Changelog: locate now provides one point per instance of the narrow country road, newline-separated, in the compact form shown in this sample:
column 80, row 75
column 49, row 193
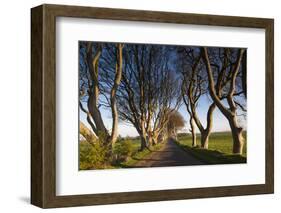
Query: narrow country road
column 169, row 155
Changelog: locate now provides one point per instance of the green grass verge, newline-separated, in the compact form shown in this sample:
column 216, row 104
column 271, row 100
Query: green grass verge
column 219, row 152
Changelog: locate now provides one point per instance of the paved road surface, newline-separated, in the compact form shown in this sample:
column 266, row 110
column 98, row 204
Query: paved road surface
column 170, row 155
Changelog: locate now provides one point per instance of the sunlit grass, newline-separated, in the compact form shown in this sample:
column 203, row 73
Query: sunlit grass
column 220, row 149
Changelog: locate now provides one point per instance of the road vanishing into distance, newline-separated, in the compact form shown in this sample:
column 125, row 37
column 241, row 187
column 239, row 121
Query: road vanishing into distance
column 169, row 155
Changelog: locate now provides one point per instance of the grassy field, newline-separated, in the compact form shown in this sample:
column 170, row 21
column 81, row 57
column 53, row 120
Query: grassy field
column 220, row 149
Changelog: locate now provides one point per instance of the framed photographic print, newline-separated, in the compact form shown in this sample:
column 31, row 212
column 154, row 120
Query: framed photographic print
column 136, row 106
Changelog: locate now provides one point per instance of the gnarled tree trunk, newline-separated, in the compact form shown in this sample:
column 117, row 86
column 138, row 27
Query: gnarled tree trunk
column 86, row 133
column 238, row 139
column 93, row 92
column 143, row 142
column 96, row 115
column 144, row 137
column 117, row 80
column 205, row 132
column 193, row 131
column 205, row 139
column 155, row 137
column 93, row 104
column 194, row 90
column 229, row 113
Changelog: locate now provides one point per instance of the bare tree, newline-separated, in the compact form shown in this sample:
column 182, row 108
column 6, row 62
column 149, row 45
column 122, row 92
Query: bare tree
column 193, row 87
column 147, row 91
column 227, row 78
column 113, row 102
column 90, row 80
column 191, row 119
